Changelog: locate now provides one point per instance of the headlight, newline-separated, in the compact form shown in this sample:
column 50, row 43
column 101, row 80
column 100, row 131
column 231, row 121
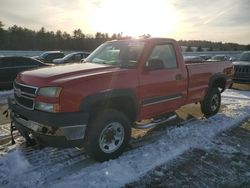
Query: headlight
column 47, row 107
column 49, row 91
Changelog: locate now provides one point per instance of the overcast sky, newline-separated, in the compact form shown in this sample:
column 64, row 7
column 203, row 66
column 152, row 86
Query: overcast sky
column 220, row 20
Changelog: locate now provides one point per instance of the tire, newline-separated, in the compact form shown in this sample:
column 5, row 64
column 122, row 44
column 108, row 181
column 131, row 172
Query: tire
column 211, row 103
column 108, row 135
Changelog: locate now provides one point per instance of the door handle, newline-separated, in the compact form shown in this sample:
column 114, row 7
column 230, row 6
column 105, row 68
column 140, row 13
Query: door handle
column 178, row 77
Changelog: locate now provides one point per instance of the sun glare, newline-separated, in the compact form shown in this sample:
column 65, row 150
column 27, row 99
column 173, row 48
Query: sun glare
column 134, row 17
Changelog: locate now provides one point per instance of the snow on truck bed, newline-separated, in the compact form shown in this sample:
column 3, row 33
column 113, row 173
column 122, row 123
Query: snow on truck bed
column 70, row 167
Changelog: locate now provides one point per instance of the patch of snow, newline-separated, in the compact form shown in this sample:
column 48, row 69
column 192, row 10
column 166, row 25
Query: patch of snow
column 4, row 96
column 236, row 94
column 159, row 173
column 13, row 169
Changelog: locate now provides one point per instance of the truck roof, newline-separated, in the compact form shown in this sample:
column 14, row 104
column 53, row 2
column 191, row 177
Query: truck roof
column 154, row 39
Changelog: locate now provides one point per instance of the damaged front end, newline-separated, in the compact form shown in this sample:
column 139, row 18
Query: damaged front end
column 49, row 129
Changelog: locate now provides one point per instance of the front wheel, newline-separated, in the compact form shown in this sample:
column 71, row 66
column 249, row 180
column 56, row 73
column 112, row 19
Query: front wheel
column 211, row 103
column 108, row 135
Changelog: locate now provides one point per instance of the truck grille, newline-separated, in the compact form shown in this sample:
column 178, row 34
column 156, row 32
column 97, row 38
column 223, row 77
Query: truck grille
column 242, row 69
column 25, row 95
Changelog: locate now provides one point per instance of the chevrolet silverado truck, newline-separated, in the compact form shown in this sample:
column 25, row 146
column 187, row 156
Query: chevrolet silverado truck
column 96, row 103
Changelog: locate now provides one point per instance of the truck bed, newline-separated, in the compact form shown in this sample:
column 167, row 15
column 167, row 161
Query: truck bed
column 199, row 75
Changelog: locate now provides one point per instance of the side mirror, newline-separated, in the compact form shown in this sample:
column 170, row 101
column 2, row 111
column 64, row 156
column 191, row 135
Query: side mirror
column 83, row 61
column 154, row 64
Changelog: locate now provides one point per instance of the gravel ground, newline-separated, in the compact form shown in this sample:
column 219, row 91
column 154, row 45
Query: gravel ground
column 226, row 164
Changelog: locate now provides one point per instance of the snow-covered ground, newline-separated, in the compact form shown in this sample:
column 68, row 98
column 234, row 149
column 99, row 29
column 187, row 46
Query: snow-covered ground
column 4, row 95
column 69, row 167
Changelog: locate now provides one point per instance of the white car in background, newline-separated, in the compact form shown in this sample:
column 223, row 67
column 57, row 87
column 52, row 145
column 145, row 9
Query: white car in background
column 220, row 58
column 193, row 59
column 72, row 57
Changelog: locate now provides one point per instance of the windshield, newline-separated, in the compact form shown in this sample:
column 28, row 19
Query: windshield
column 69, row 56
column 44, row 54
column 245, row 56
column 119, row 53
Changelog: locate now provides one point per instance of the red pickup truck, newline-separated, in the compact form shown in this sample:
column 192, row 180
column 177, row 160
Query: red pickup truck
column 94, row 104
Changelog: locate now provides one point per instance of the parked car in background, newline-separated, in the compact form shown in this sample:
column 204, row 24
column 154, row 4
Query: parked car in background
column 220, row 58
column 232, row 58
column 193, row 59
column 49, row 56
column 11, row 66
column 205, row 57
column 242, row 68
column 72, row 57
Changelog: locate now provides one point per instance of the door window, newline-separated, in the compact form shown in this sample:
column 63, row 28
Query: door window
column 165, row 54
column 78, row 57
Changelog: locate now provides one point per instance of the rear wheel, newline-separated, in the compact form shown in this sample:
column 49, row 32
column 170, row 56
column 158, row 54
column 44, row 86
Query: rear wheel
column 211, row 103
column 108, row 135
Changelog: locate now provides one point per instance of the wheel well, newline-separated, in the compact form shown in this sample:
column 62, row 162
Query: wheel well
column 219, row 83
column 123, row 104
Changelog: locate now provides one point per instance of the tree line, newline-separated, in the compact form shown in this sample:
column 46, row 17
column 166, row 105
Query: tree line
column 21, row 38
column 201, row 45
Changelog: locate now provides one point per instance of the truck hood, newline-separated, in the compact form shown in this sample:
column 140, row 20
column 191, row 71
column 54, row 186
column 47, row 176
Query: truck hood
column 242, row 63
column 61, row 73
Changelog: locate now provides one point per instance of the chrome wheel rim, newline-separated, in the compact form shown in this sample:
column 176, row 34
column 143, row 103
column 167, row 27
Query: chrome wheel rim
column 215, row 102
column 111, row 137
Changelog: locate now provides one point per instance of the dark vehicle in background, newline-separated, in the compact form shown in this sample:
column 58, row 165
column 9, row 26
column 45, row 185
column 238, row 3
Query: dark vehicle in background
column 205, row 57
column 220, row 58
column 72, row 57
column 11, row 66
column 242, row 68
column 193, row 59
column 49, row 56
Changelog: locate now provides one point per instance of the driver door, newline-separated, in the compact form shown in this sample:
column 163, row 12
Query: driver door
column 161, row 85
